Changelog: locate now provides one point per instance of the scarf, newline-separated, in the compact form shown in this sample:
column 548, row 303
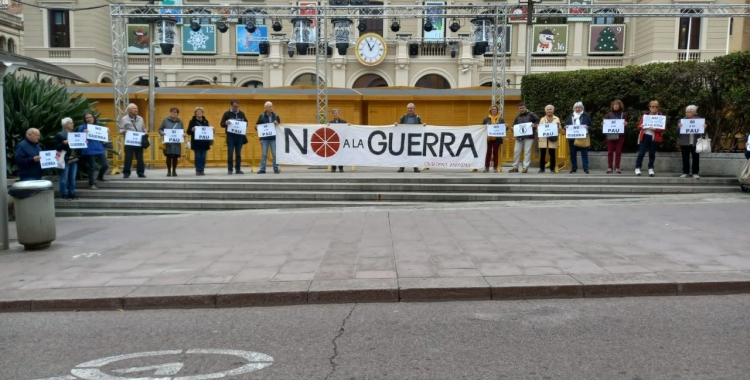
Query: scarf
column 494, row 119
column 577, row 118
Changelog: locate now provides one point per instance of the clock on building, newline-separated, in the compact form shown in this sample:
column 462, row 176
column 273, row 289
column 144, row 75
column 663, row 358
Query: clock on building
column 371, row 49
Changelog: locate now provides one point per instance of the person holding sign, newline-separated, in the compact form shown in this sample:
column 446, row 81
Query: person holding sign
column 133, row 122
column 615, row 140
column 337, row 120
column 172, row 150
column 235, row 141
column 93, row 152
column 687, row 140
column 549, row 144
column 579, row 117
column 649, row 137
column 523, row 142
column 198, row 143
column 493, row 143
column 28, row 157
column 265, row 118
column 411, row 117
column 68, row 174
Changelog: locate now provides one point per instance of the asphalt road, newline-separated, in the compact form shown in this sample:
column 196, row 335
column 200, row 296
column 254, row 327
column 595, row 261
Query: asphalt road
column 628, row 338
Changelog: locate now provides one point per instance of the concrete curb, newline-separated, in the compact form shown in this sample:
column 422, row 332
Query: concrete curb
column 374, row 290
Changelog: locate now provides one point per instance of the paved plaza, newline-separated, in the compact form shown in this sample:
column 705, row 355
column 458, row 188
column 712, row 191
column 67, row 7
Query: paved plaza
column 659, row 244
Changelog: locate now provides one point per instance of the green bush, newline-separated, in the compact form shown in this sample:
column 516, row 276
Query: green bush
column 32, row 102
column 718, row 87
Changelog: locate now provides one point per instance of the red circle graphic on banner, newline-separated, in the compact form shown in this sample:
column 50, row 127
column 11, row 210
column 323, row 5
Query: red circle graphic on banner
column 325, row 142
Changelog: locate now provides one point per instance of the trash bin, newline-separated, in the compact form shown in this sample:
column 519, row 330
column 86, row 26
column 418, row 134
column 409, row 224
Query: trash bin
column 35, row 213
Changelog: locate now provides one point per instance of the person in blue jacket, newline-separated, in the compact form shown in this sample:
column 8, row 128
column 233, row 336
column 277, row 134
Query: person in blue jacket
column 93, row 152
column 28, row 155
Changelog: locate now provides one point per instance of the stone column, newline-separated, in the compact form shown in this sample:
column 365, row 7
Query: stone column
column 467, row 72
column 273, row 65
column 402, row 63
column 338, row 70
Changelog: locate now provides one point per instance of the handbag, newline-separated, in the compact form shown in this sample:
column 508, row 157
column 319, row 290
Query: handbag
column 584, row 142
column 703, row 145
column 60, row 157
column 145, row 144
column 244, row 140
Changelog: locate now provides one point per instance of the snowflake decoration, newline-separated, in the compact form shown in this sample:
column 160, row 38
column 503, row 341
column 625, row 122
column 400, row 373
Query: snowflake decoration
column 197, row 40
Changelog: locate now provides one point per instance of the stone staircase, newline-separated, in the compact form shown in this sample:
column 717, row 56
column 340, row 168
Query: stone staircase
column 306, row 189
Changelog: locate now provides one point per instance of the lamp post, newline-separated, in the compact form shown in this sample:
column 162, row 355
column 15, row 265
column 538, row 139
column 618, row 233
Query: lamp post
column 5, row 68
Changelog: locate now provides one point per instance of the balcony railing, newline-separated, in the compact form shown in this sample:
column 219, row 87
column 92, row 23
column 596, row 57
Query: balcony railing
column 198, row 61
column 58, row 53
column 488, row 62
column 605, row 62
column 549, row 62
column 434, row 50
column 247, row 62
column 694, row 56
column 142, row 61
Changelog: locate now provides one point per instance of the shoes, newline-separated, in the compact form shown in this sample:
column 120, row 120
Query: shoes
column 525, row 170
column 573, row 171
column 239, row 172
column 334, row 170
column 261, row 172
column 695, row 176
column 142, row 176
column 126, row 176
column 476, row 170
column 650, row 172
column 618, row 171
column 93, row 187
column 229, row 172
column 416, row 170
column 586, row 171
column 683, row 176
column 276, row 171
column 73, row 197
column 609, row 171
column 169, row 174
column 494, row 170
column 400, row 170
column 541, row 171
column 102, row 179
column 513, row 170
column 486, row 170
column 174, row 174
column 637, row 171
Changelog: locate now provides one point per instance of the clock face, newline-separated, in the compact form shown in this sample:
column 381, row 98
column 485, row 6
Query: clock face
column 371, row 49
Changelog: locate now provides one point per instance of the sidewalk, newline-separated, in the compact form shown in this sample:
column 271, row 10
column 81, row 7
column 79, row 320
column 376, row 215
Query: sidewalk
column 670, row 245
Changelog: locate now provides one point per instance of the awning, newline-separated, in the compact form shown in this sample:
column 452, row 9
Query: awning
column 41, row 67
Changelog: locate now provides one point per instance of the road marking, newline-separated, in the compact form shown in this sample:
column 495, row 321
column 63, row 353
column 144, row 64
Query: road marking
column 87, row 255
column 161, row 369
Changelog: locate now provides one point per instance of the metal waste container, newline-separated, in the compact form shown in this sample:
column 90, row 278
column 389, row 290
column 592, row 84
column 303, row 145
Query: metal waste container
column 35, row 213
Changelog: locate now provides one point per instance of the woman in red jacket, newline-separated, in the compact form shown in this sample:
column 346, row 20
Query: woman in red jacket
column 615, row 141
column 648, row 139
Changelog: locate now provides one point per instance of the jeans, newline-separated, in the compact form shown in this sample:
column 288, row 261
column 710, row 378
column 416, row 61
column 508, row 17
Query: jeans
column 140, row 168
column 493, row 146
column 68, row 179
column 264, row 144
column 614, row 152
column 647, row 143
column 234, row 146
column 524, row 144
column 552, row 159
column 200, row 159
column 574, row 156
column 91, row 161
column 687, row 151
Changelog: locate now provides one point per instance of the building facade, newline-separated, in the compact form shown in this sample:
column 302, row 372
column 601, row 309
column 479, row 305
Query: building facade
column 80, row 41
column 11, row 30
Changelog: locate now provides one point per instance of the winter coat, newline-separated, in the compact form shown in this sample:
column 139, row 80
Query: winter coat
column 25, row 153
column 528, row 117
column 265, row 119
column 198, row 144
column 657, row 132
column 230, row 115
column 544, row 141
column 688, row 139
column 93, row 147
column 487, row 121
column 172, row 149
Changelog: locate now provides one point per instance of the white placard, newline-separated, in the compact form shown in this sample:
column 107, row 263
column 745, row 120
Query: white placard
column 747, row 144
column 173, row 136
column 614, row 126
column 497, row 130
column 133, row 138
column 523, row 129
column 237, row 127
column 204, row 133
column 655, row 121
column 49, row 159
column 575, row 132
column 97, row 132
column 77, row 140
column 690, row 126
column 547, row 130
column 266, row 130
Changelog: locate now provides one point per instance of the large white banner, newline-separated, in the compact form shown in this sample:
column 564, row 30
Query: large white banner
column 405, row 145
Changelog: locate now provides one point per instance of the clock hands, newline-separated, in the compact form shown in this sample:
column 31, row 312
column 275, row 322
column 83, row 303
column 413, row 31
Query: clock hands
column 368, row 44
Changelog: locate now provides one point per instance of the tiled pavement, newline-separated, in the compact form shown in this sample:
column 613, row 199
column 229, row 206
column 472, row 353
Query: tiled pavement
column 666, row 245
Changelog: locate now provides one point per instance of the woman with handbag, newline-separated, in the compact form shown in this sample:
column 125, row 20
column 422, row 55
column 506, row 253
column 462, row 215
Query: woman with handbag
column 94, row 152
column 648, row 140
column 493, row 143
column 615, row 141
column 67, row 174
column 199, row 147
column 549, row 144
column 688, row 143
column 173, row 151
column 579, row 117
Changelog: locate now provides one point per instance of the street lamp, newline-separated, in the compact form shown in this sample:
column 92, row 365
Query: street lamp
column 5, row 69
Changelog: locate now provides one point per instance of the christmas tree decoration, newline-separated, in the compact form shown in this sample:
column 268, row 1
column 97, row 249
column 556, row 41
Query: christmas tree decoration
column 607, row 41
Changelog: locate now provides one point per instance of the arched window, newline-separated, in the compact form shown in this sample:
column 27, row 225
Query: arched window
column 551, row 19
column 198, row 82
column 11, row 46
column 2, row 43
column 608, row 16
column 106, row 80
column 253, row 84
column 305, row 80
column 433, row 81
column 370, row 80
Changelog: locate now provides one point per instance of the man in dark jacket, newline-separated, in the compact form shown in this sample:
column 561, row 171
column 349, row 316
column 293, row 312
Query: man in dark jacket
column 234, row 141
column 28, row 155
column 268, row 116
column 523, row 142
column 411, row 117
column 337, row 120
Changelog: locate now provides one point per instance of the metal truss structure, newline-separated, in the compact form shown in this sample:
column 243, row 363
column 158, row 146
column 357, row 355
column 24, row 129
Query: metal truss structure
column 120, row 13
